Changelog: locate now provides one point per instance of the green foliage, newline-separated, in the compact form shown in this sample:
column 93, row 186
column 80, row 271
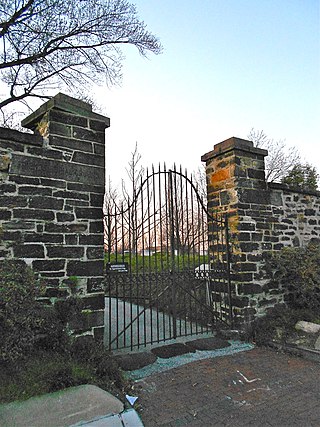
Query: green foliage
column 72, row 283
column 18, row 309
column 26, row 324
column 37, row 354
column 86, row 362
column 279, row 324
column 303, row 176
column 104, row 367
column 298, row 271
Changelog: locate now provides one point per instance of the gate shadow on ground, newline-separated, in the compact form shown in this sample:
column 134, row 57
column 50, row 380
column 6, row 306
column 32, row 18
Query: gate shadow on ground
column 129, row 325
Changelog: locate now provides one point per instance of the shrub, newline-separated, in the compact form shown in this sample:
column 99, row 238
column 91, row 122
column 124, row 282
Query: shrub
column 279, row 324
column 298, row 272
column 105, row 367
column 18, row 308
column 25, row 323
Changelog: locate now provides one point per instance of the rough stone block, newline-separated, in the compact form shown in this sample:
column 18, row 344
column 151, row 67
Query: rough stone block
column 85, row 268
column 35, row 190
column 96, row 227
column 65, row 217
column 88, row 159
column 65, row 251
column 96, row 200
column 53, row 169
column 65, row 228
column 88, row 135
column 71, row 195
column 28, row 251
column 43, row 202
column 33, row 214
column 5, row 214
column 67, row 118
column 98, row 334
column 258, row 197
column 13, row 201
column 98, row 125
column 73, row 144
column 43, row 238
column 91, row 239
column 250, row 289
column 86, row 188
column 94, row 301
column 49, row 265
column 62, row 129
column 95, row 252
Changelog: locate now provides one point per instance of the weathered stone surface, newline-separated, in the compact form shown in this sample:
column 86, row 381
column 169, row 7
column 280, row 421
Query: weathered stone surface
column 43, row 202
column 40, row 214
column 91, row 239
column 95, row 252
column 89, row 213
column 85, row 268
column 5, row 160
column 94, row 301
column 88, row 159
column 65, row 252
column 47, row 168
column 29, row 251
column 317, row 343
column 67, row 118
column 309, row 327
column 61, row 142
column 49, row 265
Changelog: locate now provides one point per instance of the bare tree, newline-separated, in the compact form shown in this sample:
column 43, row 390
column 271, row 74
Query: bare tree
column 50, row 44
column 281, row 158
column 111, row 203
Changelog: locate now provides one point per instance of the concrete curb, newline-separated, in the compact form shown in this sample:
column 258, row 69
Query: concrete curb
column 306, row 353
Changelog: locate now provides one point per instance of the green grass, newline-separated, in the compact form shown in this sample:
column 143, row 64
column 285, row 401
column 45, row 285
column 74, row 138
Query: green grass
column 158, row 262
column 45, row 372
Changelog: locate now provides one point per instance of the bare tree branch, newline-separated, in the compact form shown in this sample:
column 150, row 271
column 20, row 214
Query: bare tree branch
column 281, row 158
column 53, row 41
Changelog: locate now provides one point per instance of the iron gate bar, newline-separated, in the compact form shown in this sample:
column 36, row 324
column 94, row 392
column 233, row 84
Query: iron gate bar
column 167, row 221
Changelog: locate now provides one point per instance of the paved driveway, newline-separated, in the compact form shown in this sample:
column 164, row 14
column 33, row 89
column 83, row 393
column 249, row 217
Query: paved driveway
column 259, row 387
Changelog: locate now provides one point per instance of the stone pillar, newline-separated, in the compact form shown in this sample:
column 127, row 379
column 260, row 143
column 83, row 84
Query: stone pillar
column 236, row 186
column 53, row 191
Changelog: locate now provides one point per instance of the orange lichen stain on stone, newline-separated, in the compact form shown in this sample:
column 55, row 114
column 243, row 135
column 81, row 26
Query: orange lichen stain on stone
column 220, row 175
column 234, row 223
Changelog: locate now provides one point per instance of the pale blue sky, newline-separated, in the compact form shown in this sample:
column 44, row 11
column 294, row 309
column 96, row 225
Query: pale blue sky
column 227, row 66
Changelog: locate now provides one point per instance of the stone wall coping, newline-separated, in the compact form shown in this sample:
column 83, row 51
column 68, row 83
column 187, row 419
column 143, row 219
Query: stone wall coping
column 286, row 187
column 64, row 103
column 232, row 144
column 23, row 138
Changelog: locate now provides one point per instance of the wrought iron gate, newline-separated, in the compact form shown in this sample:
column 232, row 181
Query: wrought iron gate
column 167, row 272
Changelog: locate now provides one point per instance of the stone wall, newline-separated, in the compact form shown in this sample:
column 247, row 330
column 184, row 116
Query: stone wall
column 262, row 218
column 52, row 187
